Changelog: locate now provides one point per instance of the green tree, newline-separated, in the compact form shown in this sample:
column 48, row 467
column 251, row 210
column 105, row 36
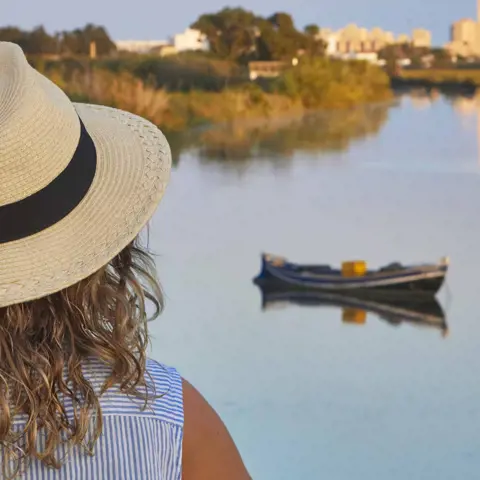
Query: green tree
column 77, row 42
column 231, row 32
column 311, row 30
column 321, row 82
column 12, row 34
column 240, row 35
column 280, row 40
column 442, row 58
column 315, row 45
column 392, row 53
column 38, row 41
column 70, row 43
column 283, row 41
column 283, row 21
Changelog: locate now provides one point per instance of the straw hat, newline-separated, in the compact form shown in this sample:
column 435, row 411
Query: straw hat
column 77, row 182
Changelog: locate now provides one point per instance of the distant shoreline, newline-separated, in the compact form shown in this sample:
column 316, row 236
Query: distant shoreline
column 463, row 81
column 180, row 93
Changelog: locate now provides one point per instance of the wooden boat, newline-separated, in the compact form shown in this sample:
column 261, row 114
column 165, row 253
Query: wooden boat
column 418, row 279
column 420, row 310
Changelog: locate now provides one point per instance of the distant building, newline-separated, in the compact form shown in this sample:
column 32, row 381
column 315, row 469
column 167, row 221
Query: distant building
column 190, row 39
column 421, row 38
column 428, row 60
column 268, row 69
column 139, row 46
column 403, row 38
column 371, row 57
column 404, row 62
column 164, row 50
column 332, row 41
column 354, row 39
column 465, row 37
column 389, row 37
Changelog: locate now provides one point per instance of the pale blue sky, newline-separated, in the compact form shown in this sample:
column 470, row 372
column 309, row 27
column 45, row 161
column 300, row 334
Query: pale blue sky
column 158, row 19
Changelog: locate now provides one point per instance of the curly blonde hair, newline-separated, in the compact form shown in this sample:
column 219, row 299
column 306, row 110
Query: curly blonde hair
column 44, row 343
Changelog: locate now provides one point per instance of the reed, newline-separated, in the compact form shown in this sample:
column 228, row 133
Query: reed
column 321, row 84
column 452, row 75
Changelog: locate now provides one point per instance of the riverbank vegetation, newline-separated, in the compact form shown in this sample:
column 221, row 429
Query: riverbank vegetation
column 194, row 88
column 430, row 68
column 419, row 57
column 172, row 110
column 314, row 84
column 444, row 75
column 449, row 81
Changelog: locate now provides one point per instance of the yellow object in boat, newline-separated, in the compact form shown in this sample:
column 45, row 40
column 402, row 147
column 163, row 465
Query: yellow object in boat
column 357, row 268
column 354, row 315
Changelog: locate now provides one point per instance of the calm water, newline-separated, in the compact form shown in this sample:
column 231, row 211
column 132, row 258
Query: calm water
column 305, row 395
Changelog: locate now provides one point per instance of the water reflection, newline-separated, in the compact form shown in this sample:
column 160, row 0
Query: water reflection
column 422, row 99
column 282, row 137
column 424, row 311
column 299, row 390
column 469, row 109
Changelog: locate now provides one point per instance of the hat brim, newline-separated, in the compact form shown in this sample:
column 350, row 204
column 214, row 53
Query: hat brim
column 133, row 168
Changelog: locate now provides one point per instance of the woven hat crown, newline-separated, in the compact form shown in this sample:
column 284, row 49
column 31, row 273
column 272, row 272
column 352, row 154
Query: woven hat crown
column 78, row 182
column 39, row 127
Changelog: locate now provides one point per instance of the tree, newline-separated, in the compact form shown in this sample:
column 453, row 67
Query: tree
column 70, row 43
column 418, row 55
column 322, row 82
column 77, row 42
column 280, row 39
column 240, row 35
column 284, row 41
column 311, row 30
column 38, row 41
column 441, row 57
column 231, row 32
column 12, row 34
column 283, row 21
column 271, row 45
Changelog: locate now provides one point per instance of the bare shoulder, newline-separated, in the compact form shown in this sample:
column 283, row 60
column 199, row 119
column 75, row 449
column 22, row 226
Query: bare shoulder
column 208, row 449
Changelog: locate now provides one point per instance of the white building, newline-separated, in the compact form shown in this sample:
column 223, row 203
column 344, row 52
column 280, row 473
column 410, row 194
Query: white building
column 140, row 46
column 190, row 39
column 371, row 57
column 332, row 41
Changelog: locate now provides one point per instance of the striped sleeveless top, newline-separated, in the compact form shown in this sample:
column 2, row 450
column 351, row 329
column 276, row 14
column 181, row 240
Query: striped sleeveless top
column 136, row 443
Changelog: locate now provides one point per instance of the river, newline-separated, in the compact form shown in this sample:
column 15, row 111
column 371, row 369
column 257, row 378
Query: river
column 306, row 394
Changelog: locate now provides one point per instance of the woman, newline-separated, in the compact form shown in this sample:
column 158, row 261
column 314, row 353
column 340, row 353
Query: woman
column 78, row 397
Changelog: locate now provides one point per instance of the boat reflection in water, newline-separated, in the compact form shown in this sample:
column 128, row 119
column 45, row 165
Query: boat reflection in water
column 424, row 311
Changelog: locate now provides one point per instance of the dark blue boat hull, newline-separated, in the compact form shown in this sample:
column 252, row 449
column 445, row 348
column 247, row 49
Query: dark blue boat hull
column 427, row 279
column 428, row 285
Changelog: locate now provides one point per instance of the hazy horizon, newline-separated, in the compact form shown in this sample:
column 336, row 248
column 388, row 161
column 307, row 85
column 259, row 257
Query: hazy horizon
column 147, row 19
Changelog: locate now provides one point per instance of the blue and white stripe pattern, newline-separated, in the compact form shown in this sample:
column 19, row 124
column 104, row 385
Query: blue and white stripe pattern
column 136, row 443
